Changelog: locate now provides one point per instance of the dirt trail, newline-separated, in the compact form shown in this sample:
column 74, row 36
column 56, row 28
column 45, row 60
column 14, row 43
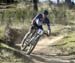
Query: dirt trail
column 41, row 53
column 45, row 42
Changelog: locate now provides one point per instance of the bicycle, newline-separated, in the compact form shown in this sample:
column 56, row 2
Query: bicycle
column 31, row 41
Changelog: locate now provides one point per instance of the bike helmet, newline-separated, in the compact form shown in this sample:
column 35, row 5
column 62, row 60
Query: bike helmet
column 45, row 12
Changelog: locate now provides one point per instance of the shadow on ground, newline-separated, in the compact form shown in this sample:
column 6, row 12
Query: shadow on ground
column 51, row 59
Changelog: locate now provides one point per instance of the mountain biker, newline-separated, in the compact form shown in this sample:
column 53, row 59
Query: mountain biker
column 37, row 22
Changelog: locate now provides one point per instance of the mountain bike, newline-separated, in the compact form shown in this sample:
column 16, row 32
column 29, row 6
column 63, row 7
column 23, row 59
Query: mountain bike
column 31, row 41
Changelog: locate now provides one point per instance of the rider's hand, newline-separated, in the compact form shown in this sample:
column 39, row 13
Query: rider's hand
column 49, row 32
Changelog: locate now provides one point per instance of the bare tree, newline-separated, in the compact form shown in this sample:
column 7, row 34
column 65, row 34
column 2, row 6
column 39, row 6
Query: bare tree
column 35, row 5
column 69, row 3
column 58, row 2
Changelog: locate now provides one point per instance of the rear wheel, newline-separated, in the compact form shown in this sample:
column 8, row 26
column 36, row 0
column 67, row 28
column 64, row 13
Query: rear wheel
column 25, row 42
column 29, row 47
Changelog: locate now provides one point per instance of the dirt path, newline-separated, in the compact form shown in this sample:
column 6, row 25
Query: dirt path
column 45, row 42
column 42, row 54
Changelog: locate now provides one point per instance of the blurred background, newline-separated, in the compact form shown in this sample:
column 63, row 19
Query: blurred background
column 15, row 20
column 15, row 11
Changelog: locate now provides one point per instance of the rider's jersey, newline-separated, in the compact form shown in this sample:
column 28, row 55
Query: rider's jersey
column 38, row 20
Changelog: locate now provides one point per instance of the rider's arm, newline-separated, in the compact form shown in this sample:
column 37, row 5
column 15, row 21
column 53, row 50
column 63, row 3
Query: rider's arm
column 48, row 24
column 49, row 30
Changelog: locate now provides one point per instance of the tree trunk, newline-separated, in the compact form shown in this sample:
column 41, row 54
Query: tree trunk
column 58, row 2
column 35, row 7
column 8, row 1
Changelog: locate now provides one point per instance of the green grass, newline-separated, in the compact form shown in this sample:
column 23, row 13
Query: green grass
column 67, row 43
column 2, row 29
column 70, row 40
